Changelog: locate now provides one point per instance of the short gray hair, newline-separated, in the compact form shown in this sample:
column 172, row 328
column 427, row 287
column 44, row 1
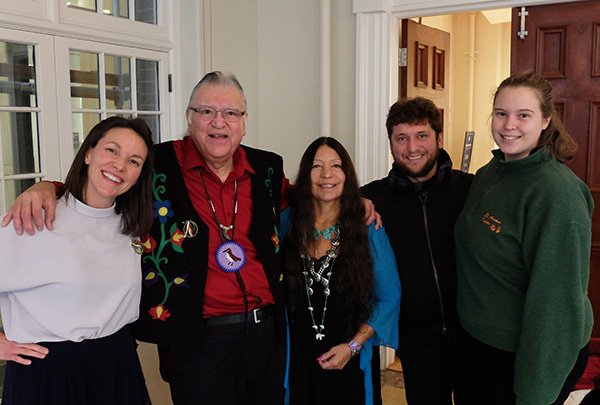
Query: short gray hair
column 220, row 79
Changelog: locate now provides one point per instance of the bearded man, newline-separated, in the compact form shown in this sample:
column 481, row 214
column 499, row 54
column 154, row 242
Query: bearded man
column 419, row 202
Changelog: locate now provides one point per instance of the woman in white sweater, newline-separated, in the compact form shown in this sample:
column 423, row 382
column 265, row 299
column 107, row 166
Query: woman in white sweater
column 70, row 294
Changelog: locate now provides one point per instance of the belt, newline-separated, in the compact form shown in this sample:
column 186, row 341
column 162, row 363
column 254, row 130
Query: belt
column 256, row 316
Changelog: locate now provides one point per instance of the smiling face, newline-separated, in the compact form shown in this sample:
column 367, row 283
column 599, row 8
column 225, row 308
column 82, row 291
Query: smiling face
column 216, row 139
column 326, row 176
column 416, row 150
column 113, row 166
column 517, row 121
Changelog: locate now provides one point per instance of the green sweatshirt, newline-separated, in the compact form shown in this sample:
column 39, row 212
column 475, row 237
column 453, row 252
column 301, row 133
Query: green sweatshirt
column 523, row 252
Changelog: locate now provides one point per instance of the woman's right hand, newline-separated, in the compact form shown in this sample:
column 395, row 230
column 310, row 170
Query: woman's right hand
column 30, row 207
column 11, row 351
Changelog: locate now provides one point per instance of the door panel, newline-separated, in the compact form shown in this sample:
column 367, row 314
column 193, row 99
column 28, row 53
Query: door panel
column 427, row 59
column 563, row 44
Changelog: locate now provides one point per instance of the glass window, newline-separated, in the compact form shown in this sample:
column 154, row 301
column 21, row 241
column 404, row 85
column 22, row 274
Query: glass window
column 85, row 82
column 19, row 140
column 83, row 4
column 19, row 129
column 118, row 8
column 143, row 10
column 147, row 85
column 17, row 75
column 118, row 82
column 82, row 124
column 93, row 100
column 153, row 122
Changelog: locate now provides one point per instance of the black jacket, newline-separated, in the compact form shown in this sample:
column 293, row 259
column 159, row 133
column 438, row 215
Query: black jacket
column 419, row 221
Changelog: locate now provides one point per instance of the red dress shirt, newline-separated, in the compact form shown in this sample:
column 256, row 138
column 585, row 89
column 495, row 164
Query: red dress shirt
column 223, row 295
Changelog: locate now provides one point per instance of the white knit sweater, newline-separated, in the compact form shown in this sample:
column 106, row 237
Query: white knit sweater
column 80, row 281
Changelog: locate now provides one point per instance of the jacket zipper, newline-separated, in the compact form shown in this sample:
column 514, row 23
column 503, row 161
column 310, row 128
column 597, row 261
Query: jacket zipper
column 435, row 272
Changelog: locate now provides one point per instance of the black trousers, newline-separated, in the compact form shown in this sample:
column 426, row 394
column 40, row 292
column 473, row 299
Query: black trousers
column 237, row 364
column 486, row 374
column 429, row 366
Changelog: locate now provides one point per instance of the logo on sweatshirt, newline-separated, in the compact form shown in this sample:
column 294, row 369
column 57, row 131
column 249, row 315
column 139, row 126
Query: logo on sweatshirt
column 494, row 224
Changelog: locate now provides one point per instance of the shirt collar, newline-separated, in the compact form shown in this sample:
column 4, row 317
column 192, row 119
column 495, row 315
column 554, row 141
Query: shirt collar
column 192, row 159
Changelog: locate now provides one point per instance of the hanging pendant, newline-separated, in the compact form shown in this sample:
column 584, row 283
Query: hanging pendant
column 230, row 256
column 317, row 277
column 225, row 231
column 319, row 336
column 326, row 292
column 324, row 282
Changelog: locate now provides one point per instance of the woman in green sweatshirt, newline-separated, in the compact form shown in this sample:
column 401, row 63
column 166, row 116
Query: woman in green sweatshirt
column 523, row 252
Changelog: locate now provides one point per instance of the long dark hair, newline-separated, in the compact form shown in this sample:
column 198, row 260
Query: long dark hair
column 555, row 136
column 355, row 282
column 135, row 205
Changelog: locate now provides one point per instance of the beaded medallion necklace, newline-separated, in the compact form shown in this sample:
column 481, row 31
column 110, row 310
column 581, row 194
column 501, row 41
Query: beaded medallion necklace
column 312, row 276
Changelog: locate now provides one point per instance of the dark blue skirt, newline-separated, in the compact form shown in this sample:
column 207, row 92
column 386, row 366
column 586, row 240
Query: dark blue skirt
column 96, row 371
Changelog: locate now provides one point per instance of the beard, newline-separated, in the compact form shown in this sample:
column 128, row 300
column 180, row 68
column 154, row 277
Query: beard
column 423, row 171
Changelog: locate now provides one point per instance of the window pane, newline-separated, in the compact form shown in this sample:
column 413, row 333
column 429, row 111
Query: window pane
column 82, row 4
column 13, row 188
column 19, row 141
column 82, row 124
column 118, row 8
column 84, row 80
column 147, row 85
column 145, row 11
column 153, row 122
column 17, row 75
column 118, row 82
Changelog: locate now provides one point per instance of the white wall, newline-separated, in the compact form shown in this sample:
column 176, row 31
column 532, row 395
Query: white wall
column 273, row 47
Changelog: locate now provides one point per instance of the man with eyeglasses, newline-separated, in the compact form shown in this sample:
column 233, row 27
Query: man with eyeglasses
column 213, row 298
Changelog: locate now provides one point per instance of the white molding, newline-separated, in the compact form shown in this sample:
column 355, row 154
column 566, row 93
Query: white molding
column 325, row 23
column 420, row 8
column 26, row 8
column 373, row 94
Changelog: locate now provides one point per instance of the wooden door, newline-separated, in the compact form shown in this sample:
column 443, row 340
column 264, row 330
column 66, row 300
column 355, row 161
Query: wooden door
column 425, row 57
column 563, row 44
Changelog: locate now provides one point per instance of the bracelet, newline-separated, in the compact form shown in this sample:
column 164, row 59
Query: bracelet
column 355, row 347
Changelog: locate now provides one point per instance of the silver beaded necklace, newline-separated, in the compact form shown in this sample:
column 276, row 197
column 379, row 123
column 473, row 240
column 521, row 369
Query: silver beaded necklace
column 312, row 276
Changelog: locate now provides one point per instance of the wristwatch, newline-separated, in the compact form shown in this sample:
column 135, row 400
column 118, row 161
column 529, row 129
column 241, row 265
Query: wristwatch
column 355, row 347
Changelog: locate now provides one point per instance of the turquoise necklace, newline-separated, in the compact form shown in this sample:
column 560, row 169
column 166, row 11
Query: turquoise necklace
column 327, row 232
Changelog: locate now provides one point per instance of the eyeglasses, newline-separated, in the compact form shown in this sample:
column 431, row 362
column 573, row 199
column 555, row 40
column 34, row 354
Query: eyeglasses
column 207, row 113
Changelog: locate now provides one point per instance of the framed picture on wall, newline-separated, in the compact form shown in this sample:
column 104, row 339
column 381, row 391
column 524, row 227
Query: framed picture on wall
column 467, row 150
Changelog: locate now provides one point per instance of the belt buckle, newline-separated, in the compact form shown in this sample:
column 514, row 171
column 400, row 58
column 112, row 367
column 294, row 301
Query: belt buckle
column 255, row 313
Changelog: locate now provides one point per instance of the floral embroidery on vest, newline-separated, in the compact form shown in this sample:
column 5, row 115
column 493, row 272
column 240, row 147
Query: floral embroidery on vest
column 153, row 249
column 269, row 184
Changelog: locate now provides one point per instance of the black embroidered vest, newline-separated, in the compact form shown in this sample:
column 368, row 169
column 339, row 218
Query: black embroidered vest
column 175, row 266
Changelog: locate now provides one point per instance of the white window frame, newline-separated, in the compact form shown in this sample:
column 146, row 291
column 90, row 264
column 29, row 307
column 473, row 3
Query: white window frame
column 46, row 108
column 54, row 17
column 62, row 48
column 54, row 97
